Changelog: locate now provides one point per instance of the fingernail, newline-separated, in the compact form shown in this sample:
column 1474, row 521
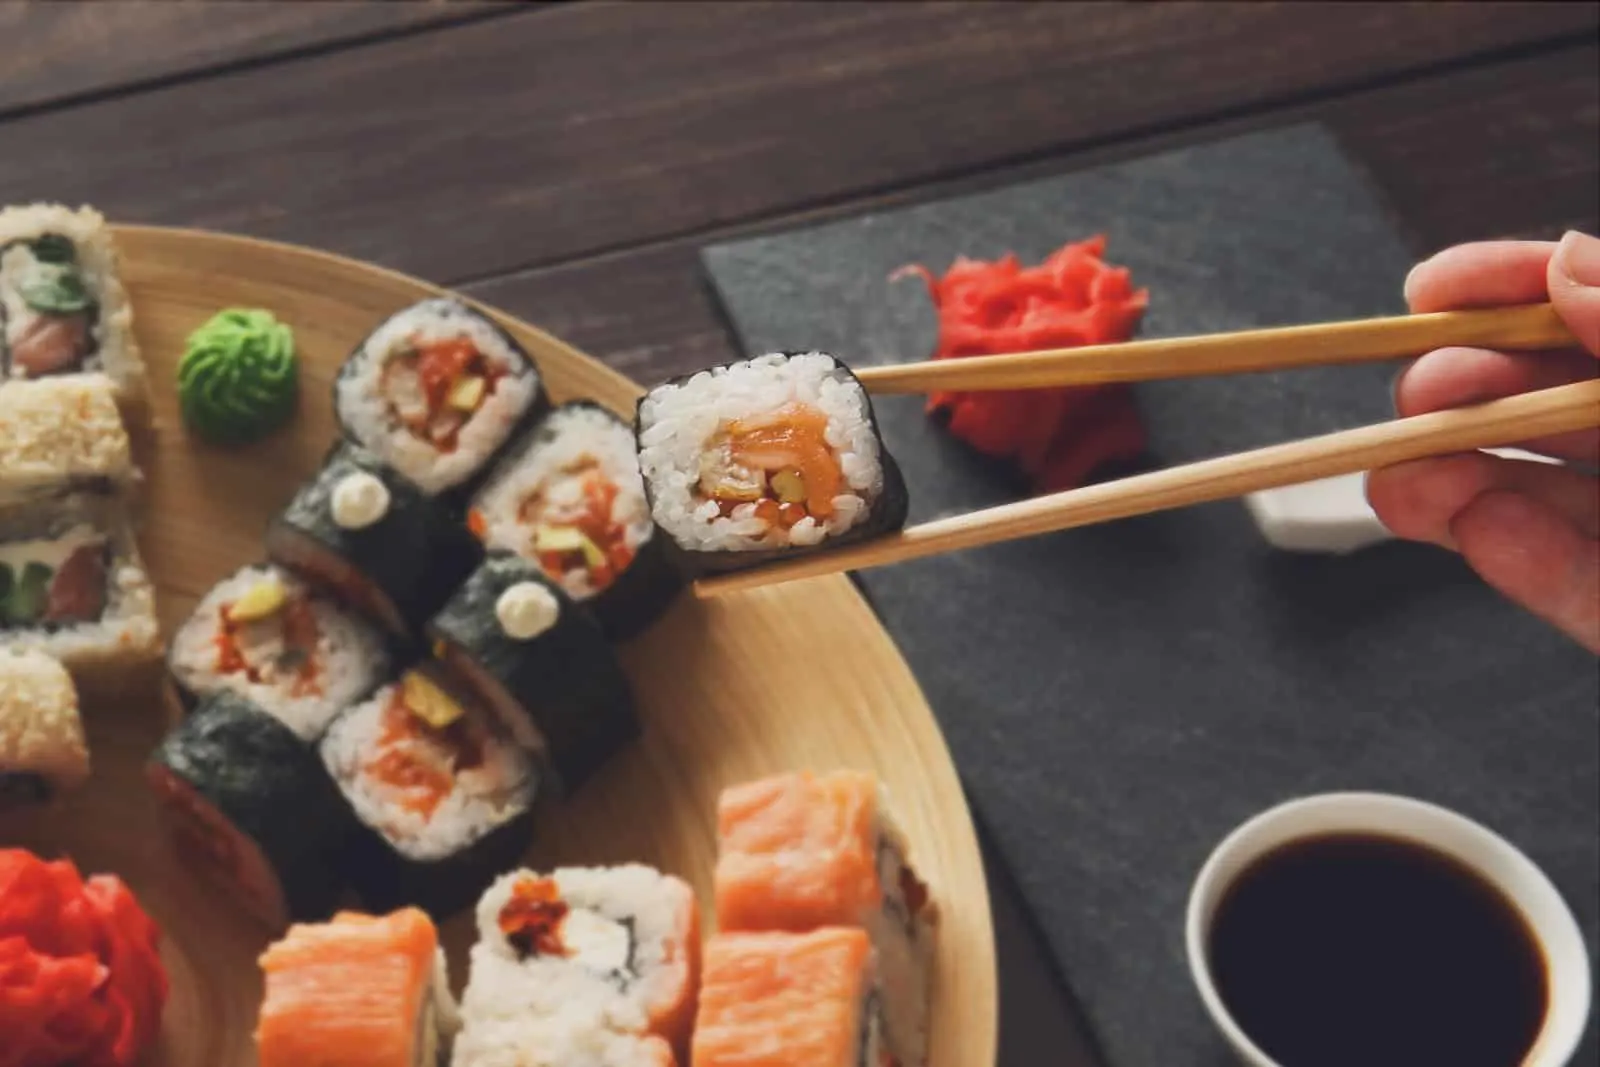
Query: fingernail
column 1410, row 280
column 1578, row 257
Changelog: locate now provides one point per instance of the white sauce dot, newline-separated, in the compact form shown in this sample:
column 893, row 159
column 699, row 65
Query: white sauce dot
column 359, row 500
column 526, row 610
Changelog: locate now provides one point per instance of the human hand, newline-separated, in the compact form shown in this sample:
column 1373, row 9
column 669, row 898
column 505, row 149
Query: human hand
column 1530, row 529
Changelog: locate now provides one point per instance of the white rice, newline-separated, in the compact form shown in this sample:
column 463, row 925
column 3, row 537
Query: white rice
column 677, row 421
column 116, row 354
column 571, row 437
column 350, row 654
column 365, row 413
column 484, row 797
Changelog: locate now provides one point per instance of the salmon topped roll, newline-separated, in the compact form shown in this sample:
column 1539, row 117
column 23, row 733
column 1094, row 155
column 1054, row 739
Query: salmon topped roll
column 266, row 635
column 443, row 797
column 765, row 458
column 623, row 942
column 435, row 392
column 802, row 851
column 785, row 1000
column 358, row 991
column 63, row 310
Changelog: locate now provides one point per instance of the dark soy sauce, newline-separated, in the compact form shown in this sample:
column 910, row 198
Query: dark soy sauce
column 1357, row 949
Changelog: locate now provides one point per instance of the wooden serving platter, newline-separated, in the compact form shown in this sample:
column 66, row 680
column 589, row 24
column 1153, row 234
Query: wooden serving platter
column 734, row 689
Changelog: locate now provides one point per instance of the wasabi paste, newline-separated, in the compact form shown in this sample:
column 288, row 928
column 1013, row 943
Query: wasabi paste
column 238, row 378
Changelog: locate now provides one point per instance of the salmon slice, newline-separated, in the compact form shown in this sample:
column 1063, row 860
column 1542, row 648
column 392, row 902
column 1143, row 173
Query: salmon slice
column 51, row 344
column 787, row 1000
column 797, row 852
column 348, row 993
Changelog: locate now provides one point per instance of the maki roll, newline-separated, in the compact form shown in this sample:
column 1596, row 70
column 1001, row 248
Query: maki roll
column 268, row 636
column 766, row 458
column 540, row 664
column 444, row 800
column 72, row 585
column 63, row 309
column 41, row 737
column 622, row 942
column 252, row 805
column 435, row 392
column 359, row 991
column 375, row 539
column 569, row 497
column 813, row 995
column 62, row 435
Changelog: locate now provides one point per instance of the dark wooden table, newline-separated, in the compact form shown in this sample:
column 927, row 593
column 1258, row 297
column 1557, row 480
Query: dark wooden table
column 566, row 161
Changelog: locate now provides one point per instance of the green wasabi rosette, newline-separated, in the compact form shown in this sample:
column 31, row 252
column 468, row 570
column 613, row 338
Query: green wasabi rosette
column 238, row 379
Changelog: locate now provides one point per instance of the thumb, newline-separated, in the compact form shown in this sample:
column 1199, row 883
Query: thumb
column 1573, row 279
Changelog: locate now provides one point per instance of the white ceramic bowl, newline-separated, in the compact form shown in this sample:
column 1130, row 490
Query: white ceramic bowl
column 1479, row 848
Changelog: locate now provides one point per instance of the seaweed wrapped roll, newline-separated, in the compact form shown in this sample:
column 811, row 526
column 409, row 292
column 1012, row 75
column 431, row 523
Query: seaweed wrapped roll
column 444, row 800
column 766, row 458
column 41, row 737
column 253, row 805
column 71, row 582
column 435, row 392
column 268, row 636
column 569, row 497
column 63, row 309
column 540, row 664
column 374, row 538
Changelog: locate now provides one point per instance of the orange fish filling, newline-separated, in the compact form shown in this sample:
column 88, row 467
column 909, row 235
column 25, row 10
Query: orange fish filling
column 531, row 919
column 298, row 629
column 596, row 524
column 440, row 367
column 419, row 761
column 789, row 443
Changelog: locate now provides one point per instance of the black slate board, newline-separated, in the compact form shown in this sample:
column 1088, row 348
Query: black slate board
column 1117, row 698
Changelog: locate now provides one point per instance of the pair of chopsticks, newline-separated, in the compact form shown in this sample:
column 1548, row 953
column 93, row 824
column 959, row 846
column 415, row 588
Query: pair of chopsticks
column 1497, row 423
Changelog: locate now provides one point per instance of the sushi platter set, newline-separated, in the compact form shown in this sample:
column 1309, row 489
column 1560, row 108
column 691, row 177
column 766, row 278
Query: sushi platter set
column 348, row 672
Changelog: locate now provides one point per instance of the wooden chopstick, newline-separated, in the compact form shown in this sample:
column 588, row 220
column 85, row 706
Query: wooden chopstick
column 1524, row 328
column 1494, row 424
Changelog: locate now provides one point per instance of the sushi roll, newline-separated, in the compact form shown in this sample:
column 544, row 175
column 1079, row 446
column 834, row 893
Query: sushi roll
column 775, row 999
column 523, row 1041
column 764, row 459
column 63, row 309
column 620, row 942
column 357, row 991
column 375, row 539
column 802, row 851
column 540, row 664
column 62, row 435
column 251, row 804
column 569, row 497
column 435, row 392
column 42, row 751
column 72, row 585
column 271, row 638
column 443, row 799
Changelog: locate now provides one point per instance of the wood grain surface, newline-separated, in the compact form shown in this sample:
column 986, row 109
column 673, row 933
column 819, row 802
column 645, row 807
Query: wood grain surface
column 75, row 49
column 563, row 131
column 573, row 172
column 728, row 692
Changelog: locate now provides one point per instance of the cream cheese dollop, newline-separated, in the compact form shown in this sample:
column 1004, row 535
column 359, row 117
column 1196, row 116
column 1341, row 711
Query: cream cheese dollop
column 526, row 610
column 359, row 500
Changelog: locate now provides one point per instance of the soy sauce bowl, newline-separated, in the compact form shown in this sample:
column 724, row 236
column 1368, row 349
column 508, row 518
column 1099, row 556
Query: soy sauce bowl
column 1495, row 860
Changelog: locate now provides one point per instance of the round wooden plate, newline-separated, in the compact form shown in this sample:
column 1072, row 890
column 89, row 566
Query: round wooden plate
column 731, row 689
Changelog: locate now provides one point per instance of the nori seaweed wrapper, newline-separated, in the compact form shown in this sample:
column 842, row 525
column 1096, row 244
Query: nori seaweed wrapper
column 566, row 682
column 272, row 788
column 385, row 879
column 399, row 570
column 647, row 587
column 888, row 512
column 458, row 494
